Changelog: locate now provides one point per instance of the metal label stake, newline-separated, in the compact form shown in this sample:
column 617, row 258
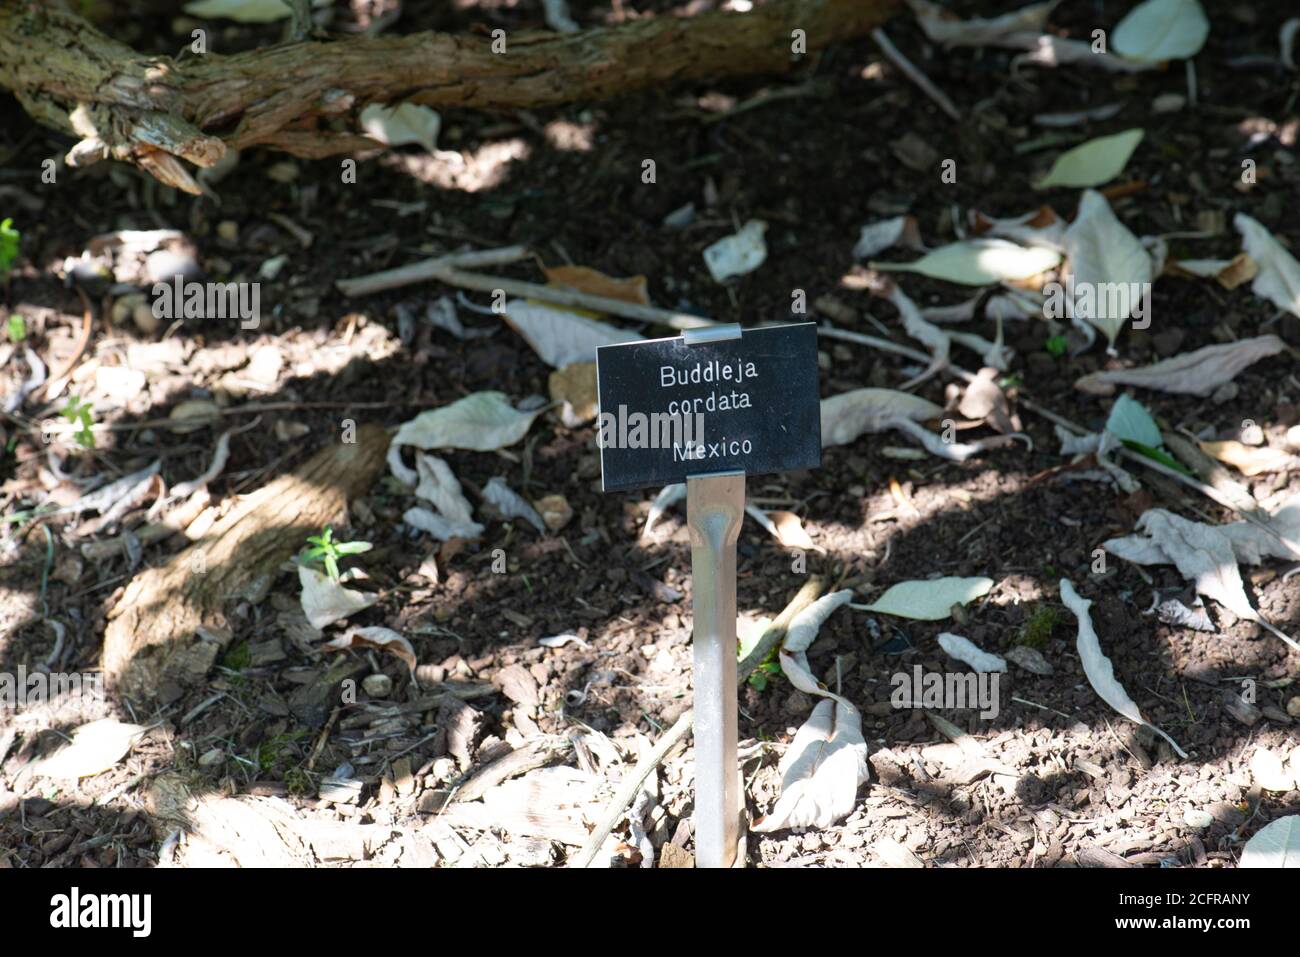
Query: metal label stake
column 753, row 399
column 715, row 506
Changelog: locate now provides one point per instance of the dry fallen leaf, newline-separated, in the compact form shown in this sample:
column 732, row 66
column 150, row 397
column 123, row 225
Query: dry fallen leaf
column 440, row 488
column 1275, row 846
column 1108, row 264
column 375, row 637
column 1278, row 279
column 821, row 770
column 943, row 27
column 851, row 414
column 738, row 254
column 877, row 237
column 1230, row 273
column 1250, row 460
column 561, row 336
column 1203, row 554
column 575, row 387
column 325, row 600
column 95, row 747
column 930, row 599
column 511, row 504
column 480, row 422
column 1098, row 668
column 967, row 652
column 785, row 527
column 1042, row 227
column 1192, row 373
column 584, row 279
column 1270, row 772
column 984, row 400
column 979, row 262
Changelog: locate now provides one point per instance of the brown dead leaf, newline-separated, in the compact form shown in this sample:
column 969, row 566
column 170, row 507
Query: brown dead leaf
column 790, row 531
column 584, row 279
column 575, row 386
column 983, row 400
column 1248, row 460
column 1242, row 269
column 384, row 639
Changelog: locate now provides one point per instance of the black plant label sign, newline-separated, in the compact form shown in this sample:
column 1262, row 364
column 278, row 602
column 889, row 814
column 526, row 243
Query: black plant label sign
column 671, row 408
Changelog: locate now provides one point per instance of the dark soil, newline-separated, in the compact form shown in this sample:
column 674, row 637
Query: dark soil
column 567, row 183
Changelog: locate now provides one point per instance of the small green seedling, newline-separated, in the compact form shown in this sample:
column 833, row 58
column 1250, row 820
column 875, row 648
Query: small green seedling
column 16, row 327
column 763, row 673
column 1057, row 346
column 8, row 247
column 328, row 552
column 78, row 413
column 770, row 666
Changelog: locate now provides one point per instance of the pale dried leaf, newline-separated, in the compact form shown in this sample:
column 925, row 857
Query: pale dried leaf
column 942, row 27
column 1203, row 554
column 1251, row 460
column 95, row 747
column 325, row 600
column 1274, row 846
column 785, row 527
column 1104, row 255
column 1230, row 273
column 983, row 399
column 1098, row 668
column 738, row 254
column 1093, row 163
column 929, row 600
column 1192, row 373
column 846, row 416
column 1278, row 279
column 979, row 262
column 480, row 422
column 668, row 496
column 877, row 237
column 965, row 650
column 511, row 504
column 439, row 526
column 1042, row 227
column 585, row 279
column 402, row 124
column 440, row 488
column 821, row 770
column 561, row 337
column 1158, row 30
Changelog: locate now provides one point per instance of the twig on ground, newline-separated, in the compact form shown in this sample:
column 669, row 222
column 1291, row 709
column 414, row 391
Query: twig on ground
column 52, row 386
column 453, row 270
column 427, row 269
column 913, row 73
